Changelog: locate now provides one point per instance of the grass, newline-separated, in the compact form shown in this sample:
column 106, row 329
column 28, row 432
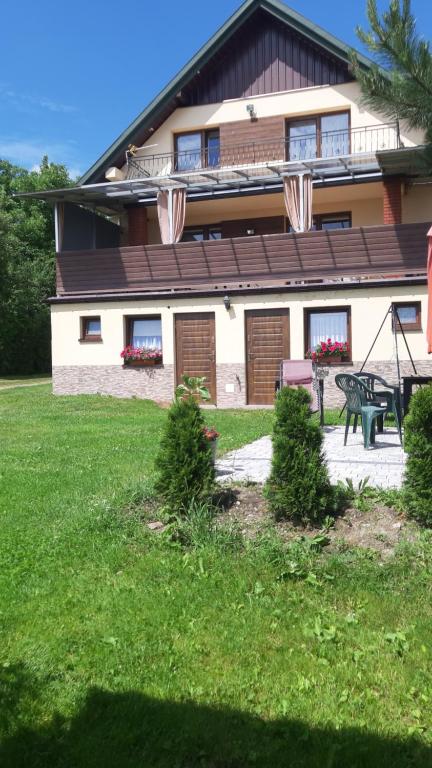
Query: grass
column 119, row 647
column 22, row 381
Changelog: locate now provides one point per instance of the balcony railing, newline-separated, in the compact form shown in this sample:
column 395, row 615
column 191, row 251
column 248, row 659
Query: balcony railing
column 333, row 144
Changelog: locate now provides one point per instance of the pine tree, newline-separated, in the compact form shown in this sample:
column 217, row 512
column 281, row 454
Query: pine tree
column 399, row 84
column 184, row 463
column 299, row 485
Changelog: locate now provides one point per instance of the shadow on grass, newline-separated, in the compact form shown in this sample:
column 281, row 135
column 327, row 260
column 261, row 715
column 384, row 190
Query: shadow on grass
column 131, row 730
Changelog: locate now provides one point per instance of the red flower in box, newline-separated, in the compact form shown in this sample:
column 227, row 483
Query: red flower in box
column 210, row 433
column 141, row 353
column 326, row 350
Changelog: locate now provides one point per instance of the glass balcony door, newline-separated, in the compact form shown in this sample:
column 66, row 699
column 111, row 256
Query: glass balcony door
column 321, row 136
column 302, row 139
column 197, row 150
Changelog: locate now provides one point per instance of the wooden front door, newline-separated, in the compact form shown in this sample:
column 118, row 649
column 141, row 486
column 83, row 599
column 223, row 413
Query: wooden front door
column 267, row 344
column 196, row 347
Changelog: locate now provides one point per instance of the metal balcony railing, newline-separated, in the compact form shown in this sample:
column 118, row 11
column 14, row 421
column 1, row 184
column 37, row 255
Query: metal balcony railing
column 330, row 144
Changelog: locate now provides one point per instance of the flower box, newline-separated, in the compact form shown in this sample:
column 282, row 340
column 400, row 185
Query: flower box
column 139, row 357
column 143, row 363
column 329, row 352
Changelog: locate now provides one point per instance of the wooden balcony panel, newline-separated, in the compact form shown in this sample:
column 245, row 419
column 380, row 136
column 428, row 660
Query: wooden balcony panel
column 395, row 249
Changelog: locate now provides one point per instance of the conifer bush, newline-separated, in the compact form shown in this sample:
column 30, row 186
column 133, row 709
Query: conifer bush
column 418, row 445
column 184, row 462
column 299, row 485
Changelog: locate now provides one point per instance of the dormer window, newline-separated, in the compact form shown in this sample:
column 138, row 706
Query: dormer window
column 196, row 150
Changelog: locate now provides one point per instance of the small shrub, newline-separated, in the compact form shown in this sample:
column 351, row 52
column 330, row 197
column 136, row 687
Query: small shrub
column 299, row 485
column 418, row 445
column 184, row 463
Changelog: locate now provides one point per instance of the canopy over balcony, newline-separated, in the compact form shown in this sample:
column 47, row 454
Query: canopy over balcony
column 361, row 154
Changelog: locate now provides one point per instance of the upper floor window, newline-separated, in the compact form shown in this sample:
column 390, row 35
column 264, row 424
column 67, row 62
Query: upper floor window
column 328, row 221
column 196, row 234
column 198, row 149
column 332, row 221
column 321, row 136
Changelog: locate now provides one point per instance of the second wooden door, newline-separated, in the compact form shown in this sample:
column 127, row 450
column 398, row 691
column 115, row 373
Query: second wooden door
column 196, row 347
column 267, row 344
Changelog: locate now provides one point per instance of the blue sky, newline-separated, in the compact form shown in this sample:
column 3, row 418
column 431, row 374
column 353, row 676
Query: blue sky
column 74, row 75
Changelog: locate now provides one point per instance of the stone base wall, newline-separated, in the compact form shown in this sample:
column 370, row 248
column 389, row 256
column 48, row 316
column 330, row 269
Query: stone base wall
column 231, row 376
column 158, row 383
column 333, row 397
column 151, row 383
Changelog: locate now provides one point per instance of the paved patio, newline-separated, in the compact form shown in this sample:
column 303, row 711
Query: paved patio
column 383, row 463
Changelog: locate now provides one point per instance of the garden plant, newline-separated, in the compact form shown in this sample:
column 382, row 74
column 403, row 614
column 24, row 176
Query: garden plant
column 418, row 445
column 299, row 485
column 185, row 460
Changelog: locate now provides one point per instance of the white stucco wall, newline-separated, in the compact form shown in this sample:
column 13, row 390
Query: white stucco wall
column 304, row 101
column 368, row 307
column 417, row 203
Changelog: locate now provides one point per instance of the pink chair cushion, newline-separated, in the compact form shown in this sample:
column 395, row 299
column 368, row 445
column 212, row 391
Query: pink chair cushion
column 298, row 373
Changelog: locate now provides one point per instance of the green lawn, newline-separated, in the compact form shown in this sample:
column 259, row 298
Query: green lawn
column 120, row 649
column 19, row 381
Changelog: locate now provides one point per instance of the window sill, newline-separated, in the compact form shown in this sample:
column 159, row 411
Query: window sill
column 410, row 329
column 91, row 340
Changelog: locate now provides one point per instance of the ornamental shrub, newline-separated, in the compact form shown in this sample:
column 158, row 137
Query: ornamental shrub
column 184, row 463
column 299, row 485
column 418, row 445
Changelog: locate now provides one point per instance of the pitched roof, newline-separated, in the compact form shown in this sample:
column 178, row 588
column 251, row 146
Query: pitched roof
column 167, row 100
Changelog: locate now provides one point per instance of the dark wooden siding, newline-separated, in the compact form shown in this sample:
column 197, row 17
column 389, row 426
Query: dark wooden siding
column 252, row 141
column 383, row 250
column 264, row 56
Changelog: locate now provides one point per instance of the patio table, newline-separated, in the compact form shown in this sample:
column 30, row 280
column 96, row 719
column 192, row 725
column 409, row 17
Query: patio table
column 408, row 383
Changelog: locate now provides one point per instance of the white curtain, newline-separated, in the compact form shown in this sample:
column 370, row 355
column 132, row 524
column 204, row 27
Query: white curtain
column 173, row 233
column 295, row 188
column 147, row 334
column 328, row 325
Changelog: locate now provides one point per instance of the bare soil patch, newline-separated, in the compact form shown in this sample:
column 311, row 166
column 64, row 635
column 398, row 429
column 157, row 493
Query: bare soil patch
column 379, row 528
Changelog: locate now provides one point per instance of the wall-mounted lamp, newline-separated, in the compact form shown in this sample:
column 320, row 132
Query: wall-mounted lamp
column 227, row 302
column 250, row 231
column 250, row 108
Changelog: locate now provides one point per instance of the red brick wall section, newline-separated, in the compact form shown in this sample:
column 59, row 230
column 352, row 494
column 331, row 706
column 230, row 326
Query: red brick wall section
column 137, row 225
column 392, row 201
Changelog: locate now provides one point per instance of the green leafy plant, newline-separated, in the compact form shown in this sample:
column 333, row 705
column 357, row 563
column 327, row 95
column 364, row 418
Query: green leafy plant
column 398, row 642
column 184, row 463
column 199, row 529
column 361, row 496
column 299, row 485
column 192, row 386
column 418, row 445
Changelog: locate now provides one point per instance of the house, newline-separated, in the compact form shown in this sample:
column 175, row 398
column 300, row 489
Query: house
column 254, row 208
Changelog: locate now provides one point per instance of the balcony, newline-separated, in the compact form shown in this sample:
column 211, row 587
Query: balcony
column 329, row 257
column 335, row 152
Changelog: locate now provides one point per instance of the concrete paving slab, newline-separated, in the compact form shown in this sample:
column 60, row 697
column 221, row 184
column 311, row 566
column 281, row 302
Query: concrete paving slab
column 382, row 464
